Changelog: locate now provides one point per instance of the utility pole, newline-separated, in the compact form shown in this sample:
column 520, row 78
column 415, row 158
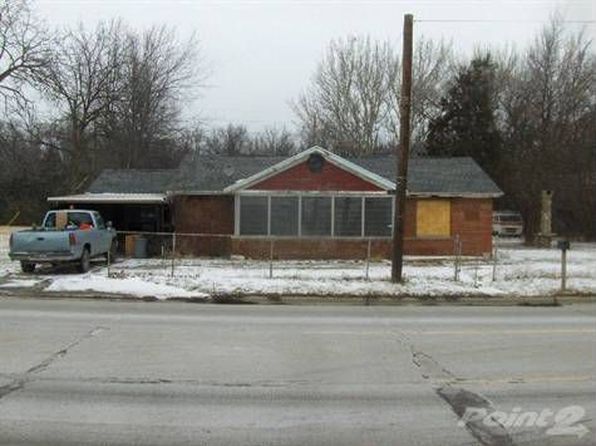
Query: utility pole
column 401, row 158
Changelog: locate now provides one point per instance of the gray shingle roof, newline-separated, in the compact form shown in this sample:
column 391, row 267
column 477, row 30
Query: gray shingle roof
column 214, row 173
column 133, row 181
column 459, row 175
column 455, row 176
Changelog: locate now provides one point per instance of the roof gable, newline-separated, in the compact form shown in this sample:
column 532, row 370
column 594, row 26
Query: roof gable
column 302, row 178
column 368, row 179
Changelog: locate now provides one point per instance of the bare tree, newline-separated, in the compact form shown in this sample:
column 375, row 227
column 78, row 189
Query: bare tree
column 159, row 74
column 230, row 140
column 24, row 48
column 433, row 66
column 273, row 141
column 83, row 80
column 548, row 107
column 352, row 103
column 24, row 195
column 345, row 106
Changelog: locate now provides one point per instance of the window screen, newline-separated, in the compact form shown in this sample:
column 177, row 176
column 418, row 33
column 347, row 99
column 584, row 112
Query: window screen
column 284, row 215
column 377, row 217
column 316, row 216
column 253, row 215
column 433, row 218
column 348, row 216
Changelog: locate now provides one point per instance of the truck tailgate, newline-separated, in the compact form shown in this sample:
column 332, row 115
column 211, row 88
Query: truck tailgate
column 40, row 241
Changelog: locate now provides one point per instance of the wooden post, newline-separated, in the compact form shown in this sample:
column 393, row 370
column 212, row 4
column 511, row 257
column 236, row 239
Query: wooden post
column 404, row 152
column 271, row 259
column 368, row 249
column 173, row 252
column 495, row 254
column 456, row 253
column 563, row 270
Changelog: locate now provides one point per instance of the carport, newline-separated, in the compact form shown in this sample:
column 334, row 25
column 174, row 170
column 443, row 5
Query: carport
column 149, row 212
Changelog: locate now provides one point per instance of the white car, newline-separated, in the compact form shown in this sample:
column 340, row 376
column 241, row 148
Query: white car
column 507, row 224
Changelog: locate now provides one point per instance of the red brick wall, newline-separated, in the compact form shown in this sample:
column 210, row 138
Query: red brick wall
column 310, row 248
column 330, row 177
column 470, row 218
column 210, row 214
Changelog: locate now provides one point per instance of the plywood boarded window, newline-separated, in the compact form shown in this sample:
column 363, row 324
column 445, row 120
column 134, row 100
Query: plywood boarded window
column 433, row 218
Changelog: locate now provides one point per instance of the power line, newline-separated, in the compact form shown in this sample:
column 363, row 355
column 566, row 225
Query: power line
column 498, row 21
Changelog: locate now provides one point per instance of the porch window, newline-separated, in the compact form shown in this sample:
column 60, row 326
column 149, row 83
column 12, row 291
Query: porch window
column 253, row 215
column 348, row 216
column 316, row 216
column 284, row 216
column 378, row 217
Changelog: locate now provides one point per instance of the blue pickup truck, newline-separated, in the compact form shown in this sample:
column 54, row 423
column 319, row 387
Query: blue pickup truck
column 65, row 236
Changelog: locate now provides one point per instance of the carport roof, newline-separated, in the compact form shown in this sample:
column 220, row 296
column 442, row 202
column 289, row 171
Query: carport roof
column 110, row 198
column 460, row 176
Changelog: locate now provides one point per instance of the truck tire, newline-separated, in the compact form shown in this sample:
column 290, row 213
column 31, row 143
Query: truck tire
column 27, row 267
column 85, row 261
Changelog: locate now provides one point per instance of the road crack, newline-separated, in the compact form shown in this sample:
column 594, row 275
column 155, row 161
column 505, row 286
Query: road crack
column 19, row 380
column 447, row 386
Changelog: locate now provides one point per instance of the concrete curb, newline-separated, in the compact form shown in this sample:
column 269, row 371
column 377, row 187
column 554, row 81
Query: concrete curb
column 275, row 299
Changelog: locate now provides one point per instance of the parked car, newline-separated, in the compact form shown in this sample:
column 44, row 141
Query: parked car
column 65, row 236
column 507, row 224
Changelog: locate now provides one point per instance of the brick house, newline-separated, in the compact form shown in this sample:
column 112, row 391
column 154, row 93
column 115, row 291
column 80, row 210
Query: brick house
column 314, row 204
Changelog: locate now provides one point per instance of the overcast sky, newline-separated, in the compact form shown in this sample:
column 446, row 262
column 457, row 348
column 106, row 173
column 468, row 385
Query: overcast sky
column 262, row 53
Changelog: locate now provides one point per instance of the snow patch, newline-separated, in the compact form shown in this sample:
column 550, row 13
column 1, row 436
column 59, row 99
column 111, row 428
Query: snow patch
column 20, row 283
column 128, row 286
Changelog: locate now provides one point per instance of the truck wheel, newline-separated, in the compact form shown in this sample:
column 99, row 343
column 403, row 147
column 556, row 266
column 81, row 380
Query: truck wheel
column 27, row 267
column 85, row 261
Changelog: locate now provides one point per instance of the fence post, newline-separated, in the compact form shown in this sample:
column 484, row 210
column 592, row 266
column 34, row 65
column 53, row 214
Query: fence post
column 109, row 259
column 563, row 270
column 495, row 253
column 368, row 249
column 271, row 258
column 173, row 252
column 456, row 253
column 476, row 270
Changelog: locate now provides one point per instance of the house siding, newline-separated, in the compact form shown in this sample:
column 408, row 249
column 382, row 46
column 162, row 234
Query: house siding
column 330, row 178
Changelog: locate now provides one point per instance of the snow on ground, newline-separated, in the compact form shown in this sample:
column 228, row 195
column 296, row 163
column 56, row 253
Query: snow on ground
column 6, row 266
column 130, row 286
column 20, row 283
column 519, row 271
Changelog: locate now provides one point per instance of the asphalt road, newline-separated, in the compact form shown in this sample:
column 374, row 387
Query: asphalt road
column 102, row 372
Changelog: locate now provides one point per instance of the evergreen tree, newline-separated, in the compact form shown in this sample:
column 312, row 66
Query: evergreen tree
column 466, row 124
